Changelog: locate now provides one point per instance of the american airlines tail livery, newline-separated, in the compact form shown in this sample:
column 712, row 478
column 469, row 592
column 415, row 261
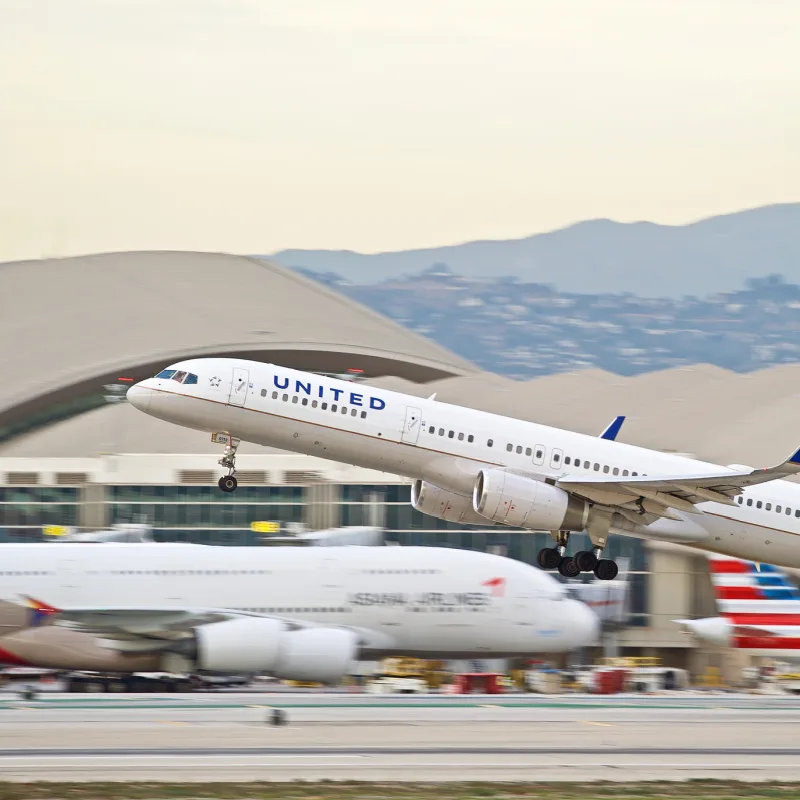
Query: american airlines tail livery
column 296, row 613
column 473, row 467
column 759, row 609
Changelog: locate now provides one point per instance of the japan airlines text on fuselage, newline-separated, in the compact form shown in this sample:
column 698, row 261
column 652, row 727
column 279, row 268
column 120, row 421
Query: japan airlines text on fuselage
column 302, row 613
column 475, row 466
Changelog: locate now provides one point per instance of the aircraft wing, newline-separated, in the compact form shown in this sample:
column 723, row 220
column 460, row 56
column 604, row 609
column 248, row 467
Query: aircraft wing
column 154, row 623
column 680, row 492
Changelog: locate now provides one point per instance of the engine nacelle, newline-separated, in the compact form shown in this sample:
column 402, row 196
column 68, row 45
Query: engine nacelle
column 260, row 645
column 714, row 630
column 436, row 502
column 510, row 499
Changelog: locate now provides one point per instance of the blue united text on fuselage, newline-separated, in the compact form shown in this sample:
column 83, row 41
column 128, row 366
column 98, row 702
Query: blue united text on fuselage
column 330, row 392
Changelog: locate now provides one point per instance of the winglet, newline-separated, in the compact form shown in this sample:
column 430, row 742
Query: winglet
column 795, row 459
column 612, row 430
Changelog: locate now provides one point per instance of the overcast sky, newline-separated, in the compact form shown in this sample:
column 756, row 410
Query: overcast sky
column 253, row 125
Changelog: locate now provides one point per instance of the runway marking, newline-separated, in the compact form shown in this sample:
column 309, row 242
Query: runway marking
column 599, row 724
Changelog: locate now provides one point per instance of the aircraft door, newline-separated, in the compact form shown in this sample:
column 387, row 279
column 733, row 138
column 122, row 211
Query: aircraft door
column 70, row 579
column 539, row 453
column 239, row 386
column 411, row 425
column 556, row 458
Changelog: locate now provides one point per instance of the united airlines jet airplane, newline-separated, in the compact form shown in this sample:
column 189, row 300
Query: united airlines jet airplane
column 471, row 467
column 297, row 613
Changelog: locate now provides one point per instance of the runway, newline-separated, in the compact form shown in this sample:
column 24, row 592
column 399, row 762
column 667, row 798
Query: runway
column 225, row 736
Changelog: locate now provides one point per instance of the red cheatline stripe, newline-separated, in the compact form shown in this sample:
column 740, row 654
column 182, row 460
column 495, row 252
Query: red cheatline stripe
column 764, row 619
column 739, row 593
column 767, row 642
column 728, row 567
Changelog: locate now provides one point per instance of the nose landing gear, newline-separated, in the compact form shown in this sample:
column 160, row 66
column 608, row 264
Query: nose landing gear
column 228, row 483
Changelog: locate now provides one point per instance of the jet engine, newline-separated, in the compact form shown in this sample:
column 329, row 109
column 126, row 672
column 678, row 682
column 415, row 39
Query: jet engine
column 260, row 645
column 510, row 499
column 436, row 502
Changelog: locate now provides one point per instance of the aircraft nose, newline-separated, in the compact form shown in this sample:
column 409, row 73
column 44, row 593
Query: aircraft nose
column 139, row 396
column 585, row 627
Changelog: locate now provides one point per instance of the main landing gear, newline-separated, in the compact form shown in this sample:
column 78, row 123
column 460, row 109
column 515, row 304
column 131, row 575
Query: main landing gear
column 228, row 483
column 583, row 561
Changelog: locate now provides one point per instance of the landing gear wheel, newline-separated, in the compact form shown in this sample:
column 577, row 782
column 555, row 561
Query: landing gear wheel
column 585, row 560
column 568, row 568
column 228, row 483
column 606, row 570
column 548, row 558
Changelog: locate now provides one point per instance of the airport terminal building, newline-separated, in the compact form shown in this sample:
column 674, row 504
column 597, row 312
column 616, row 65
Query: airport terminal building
column 70, row 455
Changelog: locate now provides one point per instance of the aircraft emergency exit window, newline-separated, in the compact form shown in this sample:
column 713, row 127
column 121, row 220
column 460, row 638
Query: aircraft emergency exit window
column 191, row 378
column 509, row 447
column 556, row 457
column 166, row 373
column 528, row 451
column 470, row 438
column 540, row 454
column 519, row 448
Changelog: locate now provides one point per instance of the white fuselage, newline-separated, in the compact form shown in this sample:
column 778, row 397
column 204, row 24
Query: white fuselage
column 420, row 600
column 448, row 445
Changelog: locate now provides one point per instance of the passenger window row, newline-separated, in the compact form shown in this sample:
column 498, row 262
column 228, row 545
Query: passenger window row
column 402, row 571
column 342, row 610
column 334, row 407
column 768, row 506
column 576, row 462
column 452, row 434
column 180, row 572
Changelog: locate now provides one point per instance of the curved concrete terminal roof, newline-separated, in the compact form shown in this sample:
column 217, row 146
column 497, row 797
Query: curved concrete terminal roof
column 70, row 325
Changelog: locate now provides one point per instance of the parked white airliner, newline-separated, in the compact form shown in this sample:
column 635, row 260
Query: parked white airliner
column 472, row 467
column 297, row 613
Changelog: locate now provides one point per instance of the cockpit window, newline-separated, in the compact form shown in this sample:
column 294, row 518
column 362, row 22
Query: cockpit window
column 179, row 376
column 191, row 378
column 166, row 373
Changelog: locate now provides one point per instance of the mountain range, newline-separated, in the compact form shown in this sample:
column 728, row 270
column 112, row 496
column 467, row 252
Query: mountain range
column 602, row 256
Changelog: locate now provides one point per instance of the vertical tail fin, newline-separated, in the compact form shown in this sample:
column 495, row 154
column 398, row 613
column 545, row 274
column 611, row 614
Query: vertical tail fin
column 753, row 595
